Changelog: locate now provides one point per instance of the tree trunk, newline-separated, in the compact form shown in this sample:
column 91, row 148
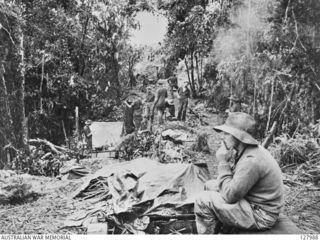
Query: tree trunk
column 192, row 76
column 231, row 92
column 201, row 70
column 221, row 4
column 77, row 123
column 82, row 62
column 270, row 106
column 198, row 71
column 116, row 77
column 313, row 105
column 6, row 123
column 41, row 83
column 21, row 92
column 188, row 73
column 270, row 135
column 112, row 75
column 255, row 98
column 287, row 105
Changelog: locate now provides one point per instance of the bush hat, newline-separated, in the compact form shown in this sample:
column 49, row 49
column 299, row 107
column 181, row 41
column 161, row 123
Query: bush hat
column 88, row 122
column 169, row 101
column 234, row 98
column 172, row 79
column 241, row 126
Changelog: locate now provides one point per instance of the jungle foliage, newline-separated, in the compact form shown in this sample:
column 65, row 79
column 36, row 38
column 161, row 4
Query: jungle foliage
column 265, row 52
column 58, row 55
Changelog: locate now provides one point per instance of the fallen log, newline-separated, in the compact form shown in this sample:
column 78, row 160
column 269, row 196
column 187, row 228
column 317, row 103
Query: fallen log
column 54, row 148
column 63, row 149
column 44, row 142
column 202, row 122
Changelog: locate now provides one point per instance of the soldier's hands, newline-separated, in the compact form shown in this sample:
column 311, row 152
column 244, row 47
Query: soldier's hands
column 223, row 153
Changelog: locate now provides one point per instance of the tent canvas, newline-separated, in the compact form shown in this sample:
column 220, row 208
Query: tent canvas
column 132, row 184
column 105, row 134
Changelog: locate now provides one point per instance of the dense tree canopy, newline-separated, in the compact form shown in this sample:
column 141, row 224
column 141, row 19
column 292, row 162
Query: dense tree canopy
column 265, row 52
column 58, row 55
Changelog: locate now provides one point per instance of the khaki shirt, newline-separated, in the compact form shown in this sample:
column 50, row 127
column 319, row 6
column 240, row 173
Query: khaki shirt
column 256, row 177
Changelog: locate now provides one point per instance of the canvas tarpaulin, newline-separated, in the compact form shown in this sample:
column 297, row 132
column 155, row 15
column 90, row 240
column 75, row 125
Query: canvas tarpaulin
column 144, row 185
column 105, row 134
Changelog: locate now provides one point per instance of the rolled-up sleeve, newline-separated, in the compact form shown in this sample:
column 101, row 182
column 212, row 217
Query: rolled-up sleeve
column 234, row 186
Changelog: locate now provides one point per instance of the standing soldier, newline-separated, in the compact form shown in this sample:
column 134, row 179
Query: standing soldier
column 137, row 113
column 128, row 124
column 147, row 107
column 145, row 83
column 183, row 95
column 132, row 116
column 235, row 104
column 173, row 85
column 88, row 135
column 132, row 79
column 160, row 104
column 165, row 99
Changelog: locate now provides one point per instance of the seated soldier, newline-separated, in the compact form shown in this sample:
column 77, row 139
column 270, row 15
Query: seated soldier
column 249, row 192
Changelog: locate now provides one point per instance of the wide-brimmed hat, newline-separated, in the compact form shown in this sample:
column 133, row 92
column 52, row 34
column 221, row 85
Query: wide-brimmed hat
column 234, row 98
column 88, row 122
column 170, row 101
column 172, row 79
column 241, row 126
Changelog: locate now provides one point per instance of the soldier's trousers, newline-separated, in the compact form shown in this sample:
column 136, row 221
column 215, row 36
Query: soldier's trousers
column 210, row 208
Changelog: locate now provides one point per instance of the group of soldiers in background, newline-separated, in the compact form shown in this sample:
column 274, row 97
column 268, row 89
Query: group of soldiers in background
column 139, row 113
column 165, row 100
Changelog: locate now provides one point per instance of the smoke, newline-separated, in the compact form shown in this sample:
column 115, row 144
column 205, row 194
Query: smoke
column 250, row 26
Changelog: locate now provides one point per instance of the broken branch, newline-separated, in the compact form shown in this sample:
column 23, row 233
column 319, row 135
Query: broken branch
column 198, row 116
column 54, row 148
column 271, row 133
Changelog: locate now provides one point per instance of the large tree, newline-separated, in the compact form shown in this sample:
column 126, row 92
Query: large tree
column 269, row 57
column 56, row 55
column 190, row 35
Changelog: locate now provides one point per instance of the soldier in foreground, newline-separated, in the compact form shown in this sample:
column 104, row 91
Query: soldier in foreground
column 248, row 193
